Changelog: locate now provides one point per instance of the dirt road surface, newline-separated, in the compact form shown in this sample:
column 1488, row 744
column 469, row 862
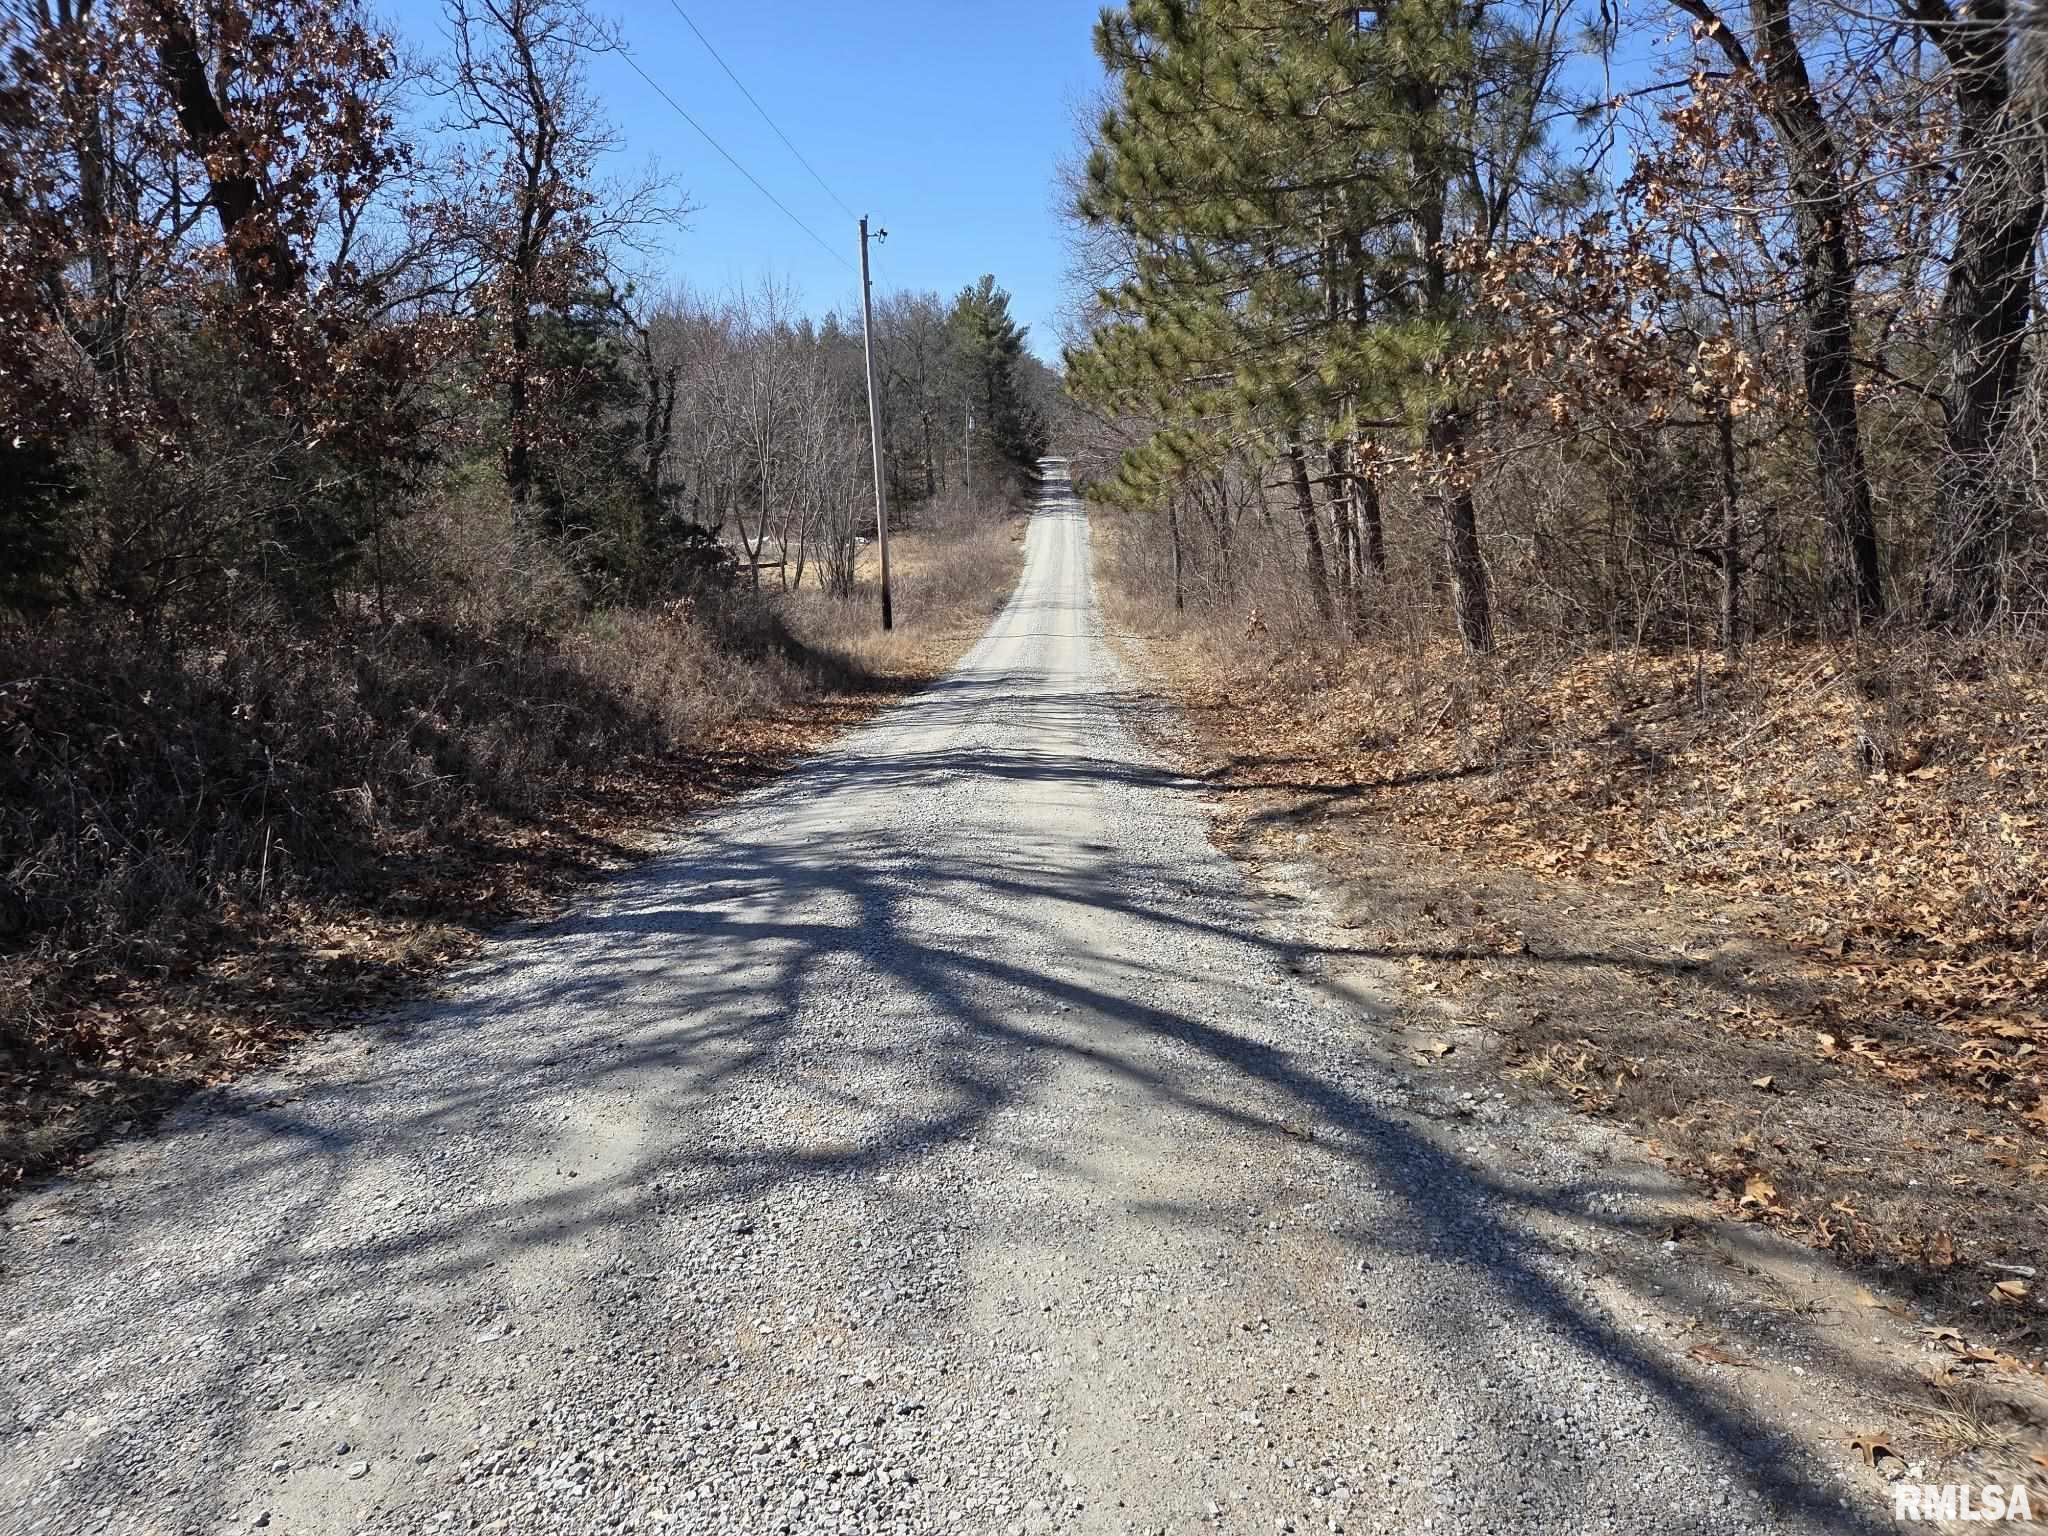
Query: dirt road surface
column 943, row 1138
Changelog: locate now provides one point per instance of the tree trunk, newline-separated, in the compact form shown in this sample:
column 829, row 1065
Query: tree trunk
column 1988, row 302
column 1366, row 488
column 104, row 341
column 1336, row 313
column 1823, row 217
column 1226, row 572
column 760, row 528
column 661, row 415
column 262, row 260
column 1348, row 596
column 1173, row 529
column 518, row 451
column 1444, row 429
column 1470, row 599
column 1731, row 536
column 1311, row 531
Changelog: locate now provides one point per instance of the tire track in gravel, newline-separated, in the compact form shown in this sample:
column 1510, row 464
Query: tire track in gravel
column 943, row 1138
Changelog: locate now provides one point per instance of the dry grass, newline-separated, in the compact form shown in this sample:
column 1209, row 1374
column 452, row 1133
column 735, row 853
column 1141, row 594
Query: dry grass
column 1964, row 1420
column 209, row 849
column 943, row 600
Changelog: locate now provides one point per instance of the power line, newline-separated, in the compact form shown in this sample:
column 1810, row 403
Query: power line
column 762, row 110
column 706, row 137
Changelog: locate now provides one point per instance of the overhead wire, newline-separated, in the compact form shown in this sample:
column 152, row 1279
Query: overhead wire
column 756, row 105
column 705, row 135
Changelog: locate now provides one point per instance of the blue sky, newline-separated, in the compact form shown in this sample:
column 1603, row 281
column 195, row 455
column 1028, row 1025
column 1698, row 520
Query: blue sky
column 942, row 119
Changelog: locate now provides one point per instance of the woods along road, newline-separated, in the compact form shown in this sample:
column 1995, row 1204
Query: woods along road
column 943, row 1137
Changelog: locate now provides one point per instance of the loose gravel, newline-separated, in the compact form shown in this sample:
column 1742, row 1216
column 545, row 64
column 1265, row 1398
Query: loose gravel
column 945, row 1138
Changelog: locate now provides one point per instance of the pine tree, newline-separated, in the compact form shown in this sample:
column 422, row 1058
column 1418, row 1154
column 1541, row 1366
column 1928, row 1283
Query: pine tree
column 590, row 489
column 988, row 354
column 1295, row 181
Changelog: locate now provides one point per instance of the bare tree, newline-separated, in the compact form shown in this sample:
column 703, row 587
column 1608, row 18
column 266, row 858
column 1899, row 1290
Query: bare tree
column 1825, row 220
column 1998, row 77
column 910, row 329
column 527, row 198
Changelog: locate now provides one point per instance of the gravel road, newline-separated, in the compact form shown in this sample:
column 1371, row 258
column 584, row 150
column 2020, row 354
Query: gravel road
column 943, row 1138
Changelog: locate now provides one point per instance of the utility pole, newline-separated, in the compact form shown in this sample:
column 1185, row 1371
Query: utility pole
column 867, row 333
column 967, row 447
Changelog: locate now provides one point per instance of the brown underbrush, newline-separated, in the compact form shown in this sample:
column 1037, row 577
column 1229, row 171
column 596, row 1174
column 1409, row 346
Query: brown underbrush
column 214, row 843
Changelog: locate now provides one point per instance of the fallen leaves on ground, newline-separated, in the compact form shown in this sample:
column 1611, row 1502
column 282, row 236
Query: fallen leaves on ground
column 1884, row 809
column 1818, row 869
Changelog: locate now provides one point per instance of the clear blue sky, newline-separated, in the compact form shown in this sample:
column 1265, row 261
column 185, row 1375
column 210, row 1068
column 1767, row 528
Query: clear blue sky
column 941, row 119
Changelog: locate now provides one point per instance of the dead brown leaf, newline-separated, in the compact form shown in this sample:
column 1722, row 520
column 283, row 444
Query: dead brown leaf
column 1865, row 1298
column 1941, row 1249
column 1712, row 1354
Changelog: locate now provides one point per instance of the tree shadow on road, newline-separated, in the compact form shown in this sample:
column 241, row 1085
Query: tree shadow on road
column 712, row 974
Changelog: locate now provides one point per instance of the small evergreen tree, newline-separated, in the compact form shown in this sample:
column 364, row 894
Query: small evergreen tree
column 591, row 490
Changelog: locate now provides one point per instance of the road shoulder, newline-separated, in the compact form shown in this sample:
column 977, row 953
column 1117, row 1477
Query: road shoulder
column 1444, row 960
